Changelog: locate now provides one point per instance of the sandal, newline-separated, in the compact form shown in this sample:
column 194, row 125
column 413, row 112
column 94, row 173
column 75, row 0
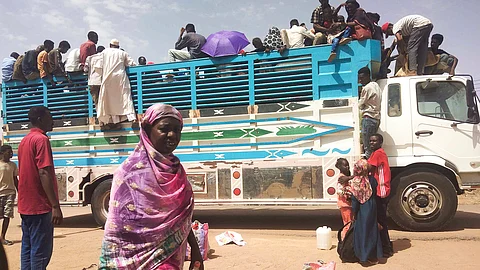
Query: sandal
column 7, row 242
column 344, row 41
column 332, row 57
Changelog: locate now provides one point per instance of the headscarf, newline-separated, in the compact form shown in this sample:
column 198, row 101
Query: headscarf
column 151, row 204
column 361, row 188
column 273, row 39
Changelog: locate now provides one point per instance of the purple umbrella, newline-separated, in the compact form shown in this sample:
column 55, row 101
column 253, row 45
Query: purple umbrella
column 225, row 43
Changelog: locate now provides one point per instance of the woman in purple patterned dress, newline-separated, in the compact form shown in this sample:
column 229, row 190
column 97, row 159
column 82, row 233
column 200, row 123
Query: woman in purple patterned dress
column 151, row 203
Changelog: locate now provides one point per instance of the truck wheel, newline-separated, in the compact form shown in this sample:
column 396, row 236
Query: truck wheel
column 422, row 200
column 100, row 202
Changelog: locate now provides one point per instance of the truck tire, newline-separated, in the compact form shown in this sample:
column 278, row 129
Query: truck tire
column 100, row 202
column 422, row 200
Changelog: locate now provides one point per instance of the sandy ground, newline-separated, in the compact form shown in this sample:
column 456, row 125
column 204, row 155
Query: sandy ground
column 276, row 239
column 470, row 197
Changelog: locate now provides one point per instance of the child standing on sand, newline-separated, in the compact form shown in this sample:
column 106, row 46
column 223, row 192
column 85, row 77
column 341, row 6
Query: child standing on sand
column 8, row 189
column 344, row 201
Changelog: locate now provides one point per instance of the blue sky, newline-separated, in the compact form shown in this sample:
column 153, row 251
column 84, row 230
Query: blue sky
column 151, row 27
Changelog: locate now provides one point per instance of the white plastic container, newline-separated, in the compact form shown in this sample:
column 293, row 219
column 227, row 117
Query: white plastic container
column 324, row 238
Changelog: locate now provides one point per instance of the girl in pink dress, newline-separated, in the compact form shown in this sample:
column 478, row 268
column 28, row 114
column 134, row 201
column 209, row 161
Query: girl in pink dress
column 344, row 201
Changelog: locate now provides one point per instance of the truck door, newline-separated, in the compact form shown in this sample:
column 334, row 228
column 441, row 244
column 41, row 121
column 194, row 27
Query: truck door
column 441, row 125
column 395, row 122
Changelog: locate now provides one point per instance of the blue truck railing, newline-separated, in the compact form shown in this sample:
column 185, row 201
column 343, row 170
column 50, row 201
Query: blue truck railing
column 259, row 78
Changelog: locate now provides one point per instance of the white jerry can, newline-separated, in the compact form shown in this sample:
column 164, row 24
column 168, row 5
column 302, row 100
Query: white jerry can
column 324, row 238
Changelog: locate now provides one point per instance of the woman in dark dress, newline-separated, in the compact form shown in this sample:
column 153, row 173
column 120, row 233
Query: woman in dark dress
column 367, row 243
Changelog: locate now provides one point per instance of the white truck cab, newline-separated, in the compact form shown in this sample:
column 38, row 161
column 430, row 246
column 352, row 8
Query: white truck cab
column 431, row 134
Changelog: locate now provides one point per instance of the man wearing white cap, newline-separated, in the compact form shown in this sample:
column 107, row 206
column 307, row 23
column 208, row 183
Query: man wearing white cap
column 115, row 102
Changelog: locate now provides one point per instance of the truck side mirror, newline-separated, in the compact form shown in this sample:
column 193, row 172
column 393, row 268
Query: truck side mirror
column 470, row 94
column 472, row 107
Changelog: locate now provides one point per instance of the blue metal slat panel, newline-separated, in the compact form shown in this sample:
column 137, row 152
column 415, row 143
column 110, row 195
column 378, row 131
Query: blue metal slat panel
column 298, row 74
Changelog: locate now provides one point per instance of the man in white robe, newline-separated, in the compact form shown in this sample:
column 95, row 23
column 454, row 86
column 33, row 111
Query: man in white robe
column 115, row 102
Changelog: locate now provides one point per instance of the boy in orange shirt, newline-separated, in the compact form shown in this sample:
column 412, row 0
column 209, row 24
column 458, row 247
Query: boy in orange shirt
column 42, row 61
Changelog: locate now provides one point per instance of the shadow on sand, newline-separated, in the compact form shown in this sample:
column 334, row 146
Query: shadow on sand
column 302, row 219
column 79, row 221
column 277, row 219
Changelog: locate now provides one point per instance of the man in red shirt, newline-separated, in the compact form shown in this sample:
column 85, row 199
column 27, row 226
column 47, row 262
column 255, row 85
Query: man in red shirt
column 381, row 171
column 38, row 203
column 88, row 48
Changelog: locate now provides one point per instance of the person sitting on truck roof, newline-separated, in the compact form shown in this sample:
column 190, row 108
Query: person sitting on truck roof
column 42, row 61
column 318, row 21
column 273, row 40
column 142, row 61
column 338, row 34
column 447, row 62
column 417, row 29
column 357, row 18
column 380, row 169
column 307, row 42
column 17, row 70
column 153, row 185
column 89, row 47
column 369, row 105
column 7, row 66
column 93, row 67
column 258, row 45
column 72, row 62
column 377, row 33
column 192, row 41
column 55, row 59
column 29, row 63
column 296, row 35
column 115, row 102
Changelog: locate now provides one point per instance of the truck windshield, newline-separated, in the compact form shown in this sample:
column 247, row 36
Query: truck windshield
column 445, row 100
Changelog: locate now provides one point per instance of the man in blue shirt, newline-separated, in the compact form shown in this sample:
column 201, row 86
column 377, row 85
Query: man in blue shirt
column 7, row 66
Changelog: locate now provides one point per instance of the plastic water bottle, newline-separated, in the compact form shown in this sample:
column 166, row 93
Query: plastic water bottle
column 324, row 237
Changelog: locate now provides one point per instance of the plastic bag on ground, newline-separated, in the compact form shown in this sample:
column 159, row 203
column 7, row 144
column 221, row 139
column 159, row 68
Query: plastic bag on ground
column 320, row 265
column 230, row 237
column 200, row 230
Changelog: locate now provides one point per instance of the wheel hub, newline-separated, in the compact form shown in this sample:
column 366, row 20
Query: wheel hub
column 421, row 200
